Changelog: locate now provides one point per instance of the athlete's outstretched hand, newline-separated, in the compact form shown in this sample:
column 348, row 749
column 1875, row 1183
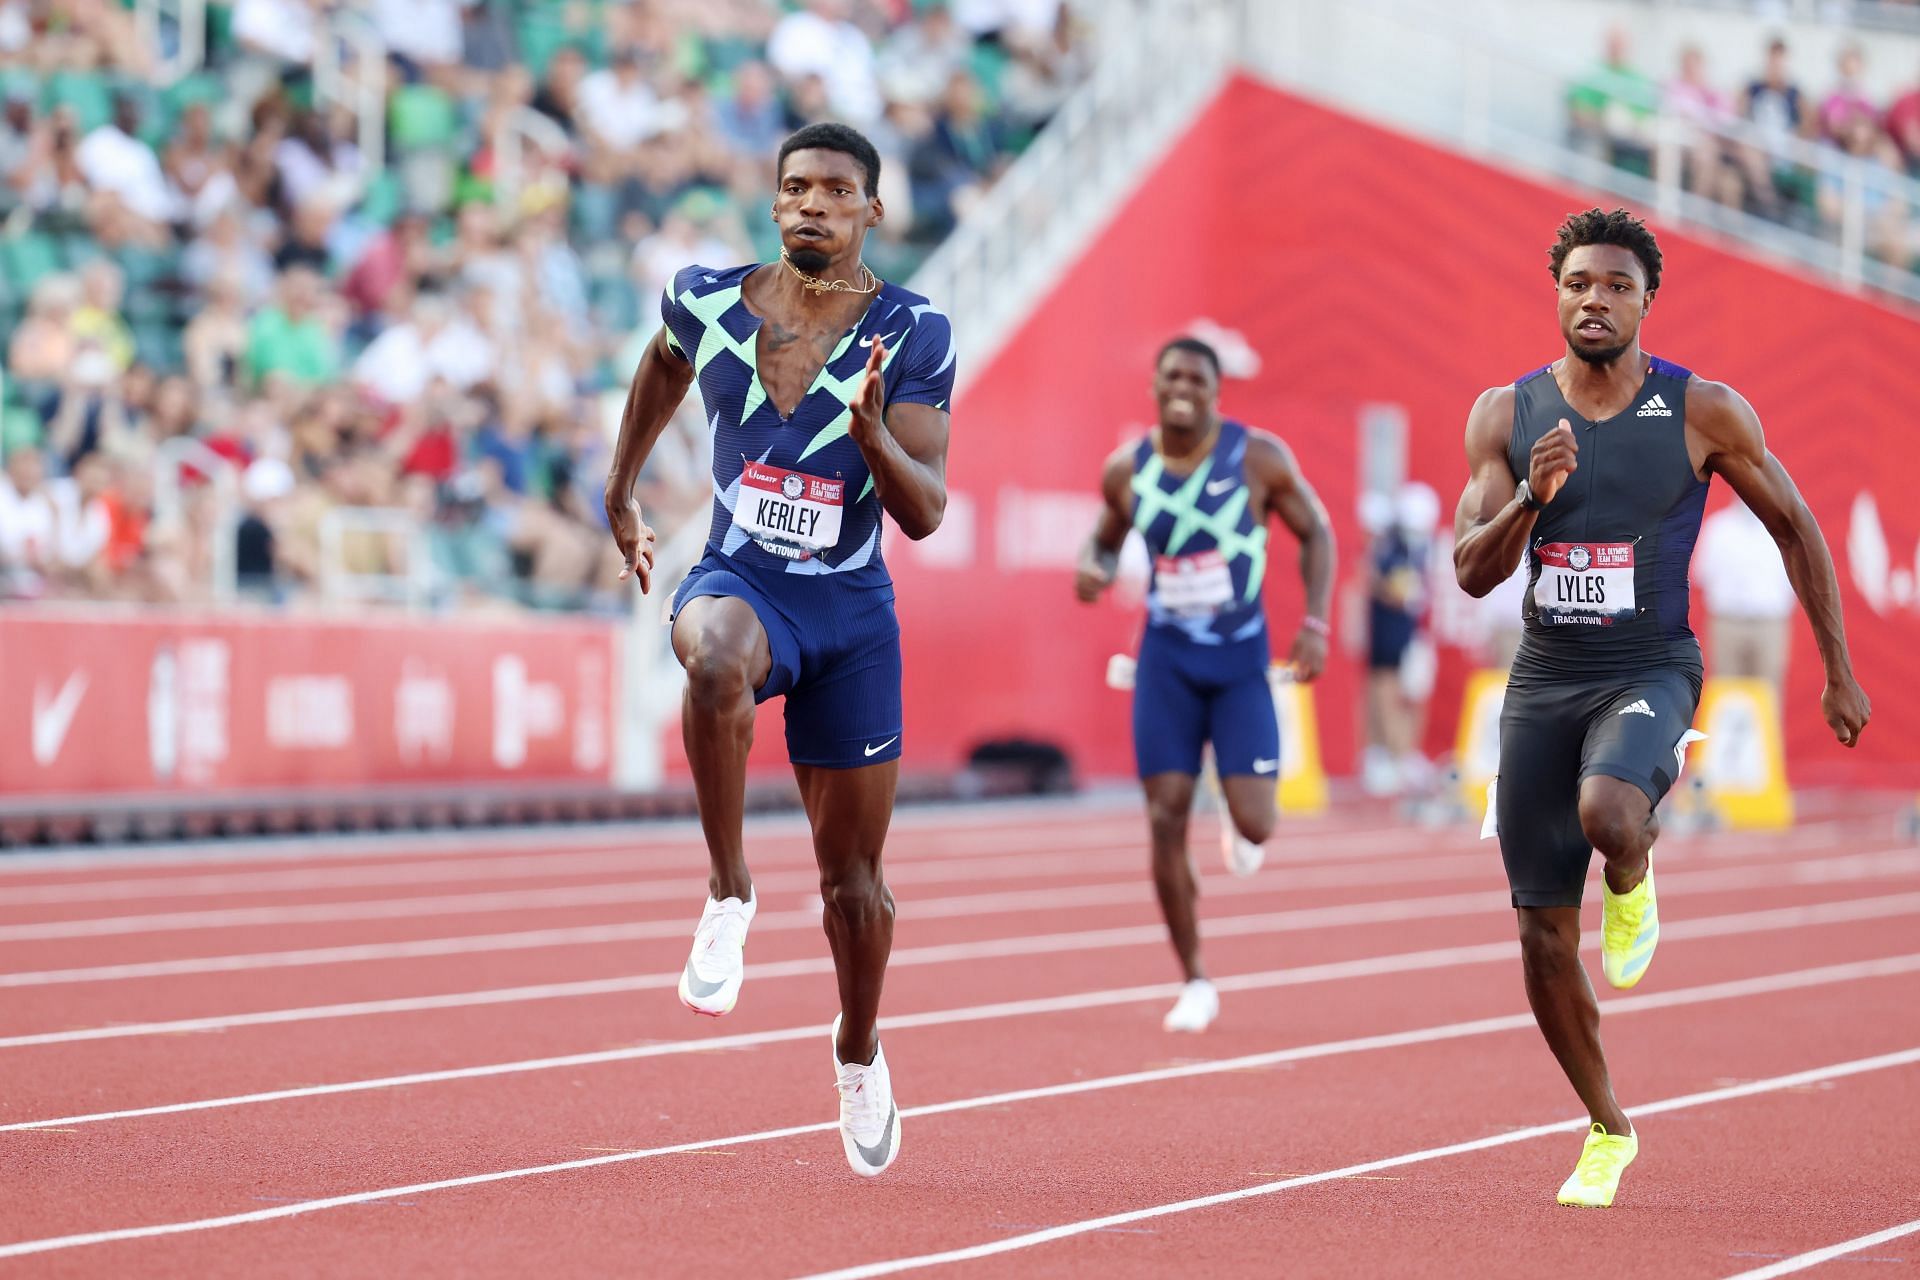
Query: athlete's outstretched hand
column 869, row 406
column 1846, row 708
column 1555, row 457
column 634, row 538
column 1309, row 656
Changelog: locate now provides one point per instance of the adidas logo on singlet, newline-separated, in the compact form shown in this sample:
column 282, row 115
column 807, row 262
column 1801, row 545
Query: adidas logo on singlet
column 1654, row 408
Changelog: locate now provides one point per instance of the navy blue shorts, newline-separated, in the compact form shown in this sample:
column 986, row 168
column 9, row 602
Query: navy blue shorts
column 836, row 660
column 1186, row 695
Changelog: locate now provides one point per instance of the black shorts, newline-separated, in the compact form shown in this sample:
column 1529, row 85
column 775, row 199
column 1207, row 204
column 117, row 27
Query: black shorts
column 1555, row 736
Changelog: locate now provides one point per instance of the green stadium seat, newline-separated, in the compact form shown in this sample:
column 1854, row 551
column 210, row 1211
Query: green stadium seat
column 88, row 95
column 421, row 117
column 19, row 429
column 28, row 257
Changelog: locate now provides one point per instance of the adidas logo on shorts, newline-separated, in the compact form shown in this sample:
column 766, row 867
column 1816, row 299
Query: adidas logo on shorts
column 1639, row 708
column 1654, row 408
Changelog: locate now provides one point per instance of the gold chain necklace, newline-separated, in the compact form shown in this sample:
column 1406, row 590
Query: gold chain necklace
column 819, row 286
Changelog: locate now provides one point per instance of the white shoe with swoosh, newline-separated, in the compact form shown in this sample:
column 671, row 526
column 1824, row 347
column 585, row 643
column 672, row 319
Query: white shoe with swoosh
column 869, row 1122
column 718, row 964
column 1195, row 1010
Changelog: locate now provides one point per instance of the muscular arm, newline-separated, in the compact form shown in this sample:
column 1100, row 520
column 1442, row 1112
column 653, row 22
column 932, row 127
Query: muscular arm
column 1724, row 435
column 1293, row 500
column 905, row 447
column 1490, row 528
column 659, row 385
column 1100, row 558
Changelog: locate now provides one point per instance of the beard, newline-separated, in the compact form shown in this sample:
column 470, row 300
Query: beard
column 811, row 261
column 1598, row 357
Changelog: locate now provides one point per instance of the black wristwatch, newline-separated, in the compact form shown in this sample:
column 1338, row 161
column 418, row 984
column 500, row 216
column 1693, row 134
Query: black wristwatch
column 1527, row 501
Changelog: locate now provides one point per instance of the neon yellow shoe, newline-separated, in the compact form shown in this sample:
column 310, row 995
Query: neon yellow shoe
column 1629, row 930
column 1597, row 1176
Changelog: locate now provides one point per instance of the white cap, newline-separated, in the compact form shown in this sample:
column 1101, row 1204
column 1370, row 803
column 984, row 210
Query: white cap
column 267, row 479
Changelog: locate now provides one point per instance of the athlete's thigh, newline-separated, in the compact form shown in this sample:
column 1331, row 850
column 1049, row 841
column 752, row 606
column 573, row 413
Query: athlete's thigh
column 1635, row 735
column 1169, row 715
column 717, row 606
column 848, row 810
column 846, row 713
column 1243, row 727
column 1537, row 796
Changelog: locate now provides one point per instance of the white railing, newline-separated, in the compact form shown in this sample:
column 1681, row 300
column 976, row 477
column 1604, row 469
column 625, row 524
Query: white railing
column 1876, row 15
column 1158, row 62
column 170, row 516
column 394, row 530
column 190, row 25
column 1422, row 68
column 360, row 87
column 517, row 128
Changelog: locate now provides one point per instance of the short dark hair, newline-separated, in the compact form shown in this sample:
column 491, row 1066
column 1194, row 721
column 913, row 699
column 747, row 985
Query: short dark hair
column 834, row 137
column 1194, row 347
column 1618, row 227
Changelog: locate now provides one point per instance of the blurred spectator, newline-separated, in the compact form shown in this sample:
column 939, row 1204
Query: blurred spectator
column 215, row 342
column 230, row 248
column 1399, row 659
column 954, row 163
column 1750, row 602
column 1847, row 102
column 28, row 526
column 96, row 321
column 264, row 488
column 196, row 168
column 281, row 31
column 1610, row 109
column 1903, row 125
column 1712, row 167
column 1888, row 231
column 920, row 58
column 821, row 40
column 750, row 119
column 423, row 37
column 43, row 347
column 290, row 338
column 116, row 163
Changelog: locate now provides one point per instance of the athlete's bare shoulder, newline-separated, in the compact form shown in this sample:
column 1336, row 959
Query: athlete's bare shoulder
column 1490, row 423
column 1720, row 422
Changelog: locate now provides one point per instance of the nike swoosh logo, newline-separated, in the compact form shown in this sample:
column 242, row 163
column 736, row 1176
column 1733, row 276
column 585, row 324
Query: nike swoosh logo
column 1217, row 487
column 1265, row 766
column 883, row 746
column 876, row 1155
column 53, row 717
column 696, row 988
column 884, row 338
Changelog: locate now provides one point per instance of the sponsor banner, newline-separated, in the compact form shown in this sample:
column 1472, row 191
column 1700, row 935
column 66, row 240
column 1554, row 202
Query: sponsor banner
column 137, row 703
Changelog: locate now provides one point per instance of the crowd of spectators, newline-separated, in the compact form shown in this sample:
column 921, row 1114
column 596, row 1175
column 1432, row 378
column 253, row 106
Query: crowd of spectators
column 1731, row 131
column 236, row 339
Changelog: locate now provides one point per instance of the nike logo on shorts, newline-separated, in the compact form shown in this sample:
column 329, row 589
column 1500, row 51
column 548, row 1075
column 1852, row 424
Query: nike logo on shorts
column 1265, row 766
column 876, row 750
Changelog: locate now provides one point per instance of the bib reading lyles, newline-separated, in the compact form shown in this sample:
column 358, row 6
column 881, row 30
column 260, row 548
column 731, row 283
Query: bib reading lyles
column 789, row 513
column 1193, row 585
column 1584, row 583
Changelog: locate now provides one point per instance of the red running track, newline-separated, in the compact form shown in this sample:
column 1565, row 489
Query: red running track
column 436, row 1058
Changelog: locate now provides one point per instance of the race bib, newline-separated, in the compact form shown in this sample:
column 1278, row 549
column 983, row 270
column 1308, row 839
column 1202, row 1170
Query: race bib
column 789, row 513
column 1195, row 585
column 1584, row 584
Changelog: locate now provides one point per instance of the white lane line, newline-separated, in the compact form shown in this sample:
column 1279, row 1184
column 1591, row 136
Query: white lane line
column 1749, row 1089
column 1135, row 887
column 1307, row 975
column 1000, row 848
column 1813, row 1258
column 1343, row 871
column 1010, row 1244
column 1814, row 871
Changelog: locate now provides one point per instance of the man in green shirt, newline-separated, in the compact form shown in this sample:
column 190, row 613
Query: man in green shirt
column 291, row 338
column 1610, row 110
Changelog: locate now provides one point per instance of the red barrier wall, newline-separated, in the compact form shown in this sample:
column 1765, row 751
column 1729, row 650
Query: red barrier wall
column 1362, row 266
column 99, row 702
